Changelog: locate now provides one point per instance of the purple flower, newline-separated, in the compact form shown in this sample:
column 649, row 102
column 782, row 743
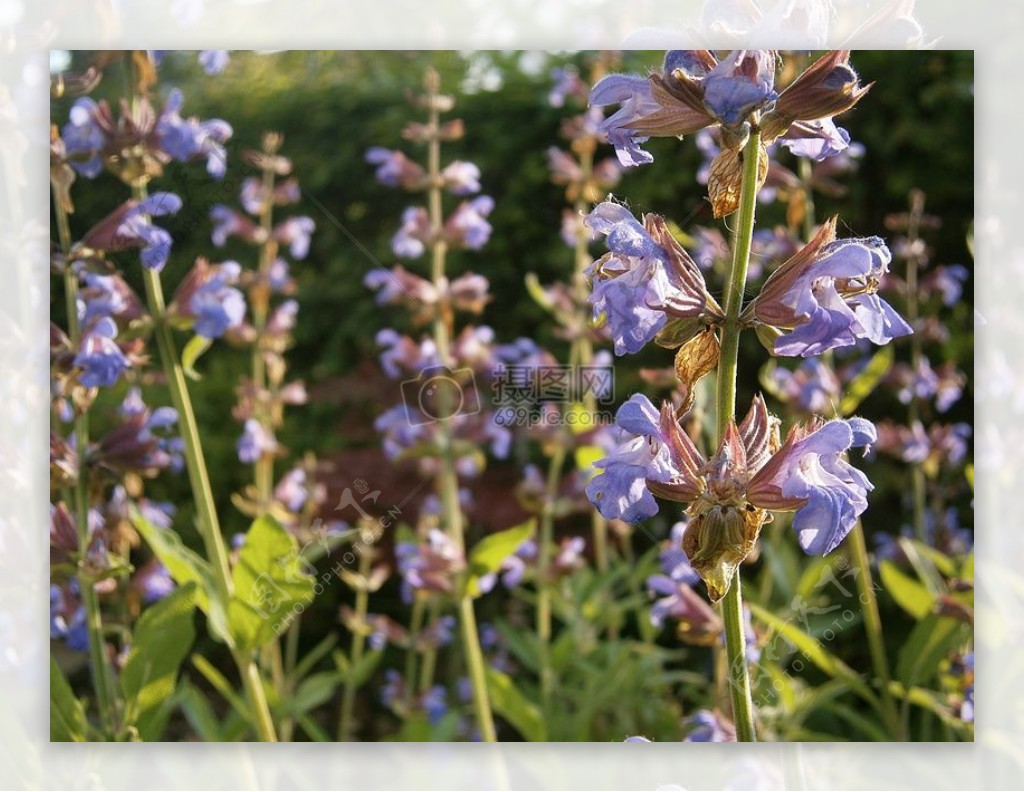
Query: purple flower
column 635, row 100
column 255, row 442
column 435, row 703
column 214, row 61
column 641, row 281
column 812, row 386
column 187, row 139
column 816, row 140
column 142, row 442
column 739, row 84
column 409, row 241
column 620, row 491
column 129, row 226
column 282, row 320
column 567, row 82
column 809, row 473
column 467, row 227
column 708, row 726
column 394, row 169
column 216, row 304
column 296, row 232
column 949, row 281
column 291, row 490
column 228, row 223
column 462, row 178
column 825, row 296
column 99, row 357
column 107, row 295
column 430, row 565
column 153, row 582
column 84, row 138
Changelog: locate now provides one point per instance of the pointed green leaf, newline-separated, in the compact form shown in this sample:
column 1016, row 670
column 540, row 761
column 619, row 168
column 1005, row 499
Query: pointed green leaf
column 67, row 715
column 272, row 585
column 185, row 566
column 907, row 592
column 866, row 381
column 509, row 703
column 489, row 552
column 161, row 640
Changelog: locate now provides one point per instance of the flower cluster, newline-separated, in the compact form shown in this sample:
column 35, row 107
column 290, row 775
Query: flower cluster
column 731, row 493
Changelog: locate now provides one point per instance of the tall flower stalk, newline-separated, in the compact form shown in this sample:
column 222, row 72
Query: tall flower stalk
column 99, row 664
column 448, row 482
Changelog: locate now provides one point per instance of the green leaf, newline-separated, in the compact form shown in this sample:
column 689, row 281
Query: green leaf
column 185, row 566
column 677, row 332
column 357, row 674
column 586, row 456
column 67, row 715
column 161, row 640
column 489, row 552
column 866, row 381
column 194, row 349
column 199, row 712
column 910, row 595
column 813, row 650
column 967, row 570
column 271, row 582
column 220, row 683
column 930, row 642
column 767, row 335
column 314, row 691
column 509, row 703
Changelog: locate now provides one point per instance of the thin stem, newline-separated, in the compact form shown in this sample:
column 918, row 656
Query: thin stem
column 858, row 553
column 348, row 699
column 264, row 465
column 547, row 521
column 102, row 676
column 415, row 628
column 914, row 409
column 806, row 178
column 448, row 483
column 732, row 603
column 199, row 479
column 429, row 664
column 477, row 671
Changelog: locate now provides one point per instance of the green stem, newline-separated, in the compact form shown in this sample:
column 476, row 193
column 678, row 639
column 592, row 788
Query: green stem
column 547, row 540
column 914, row 409
column 348, row 699
column 429, row 664
column 858, row 552
column 102, row 676
column 732, row 603
column 477, row 671
column 415, row 628
column 199, row 479
column 264, row 465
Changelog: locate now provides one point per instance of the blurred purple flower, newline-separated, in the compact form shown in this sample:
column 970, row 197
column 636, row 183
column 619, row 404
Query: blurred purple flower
column 394, row 169
column 467, row 227
column 99, row 357
column 187, row 139
column 813, row 386
column 462, row 178
column 255, row 442
column 410, row 239
column 214, row 61
column 295, row 232
column 708, row 726
column 153, row 581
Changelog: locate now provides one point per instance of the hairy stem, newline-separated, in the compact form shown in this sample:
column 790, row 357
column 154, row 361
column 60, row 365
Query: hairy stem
column 732, row 603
